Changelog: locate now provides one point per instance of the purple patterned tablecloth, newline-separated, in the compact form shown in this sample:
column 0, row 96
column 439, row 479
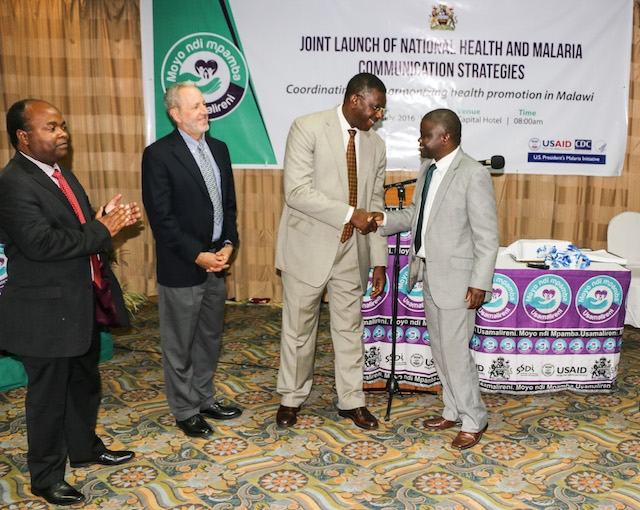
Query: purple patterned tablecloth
column 543, row 330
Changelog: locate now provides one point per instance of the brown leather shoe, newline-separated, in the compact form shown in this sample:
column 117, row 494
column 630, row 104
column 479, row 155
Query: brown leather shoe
column 466, row 440
column 361, row 417
column 439, row 423
column 287, row 416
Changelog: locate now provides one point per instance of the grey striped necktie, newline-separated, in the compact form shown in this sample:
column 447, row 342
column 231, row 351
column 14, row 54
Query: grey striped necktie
column 209, row 176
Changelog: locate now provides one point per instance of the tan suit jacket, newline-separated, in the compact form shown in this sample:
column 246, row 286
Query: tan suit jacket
column 313, row 260
column 317, row 197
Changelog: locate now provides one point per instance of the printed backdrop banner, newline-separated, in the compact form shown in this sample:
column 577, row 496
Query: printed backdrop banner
column 545, row 84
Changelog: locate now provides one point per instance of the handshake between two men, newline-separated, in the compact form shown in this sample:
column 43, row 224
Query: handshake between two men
column 366, row 222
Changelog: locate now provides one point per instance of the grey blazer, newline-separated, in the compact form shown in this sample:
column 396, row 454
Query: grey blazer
column 462, row 237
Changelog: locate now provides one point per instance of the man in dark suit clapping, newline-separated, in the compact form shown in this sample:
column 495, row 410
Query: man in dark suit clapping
column 47, row 314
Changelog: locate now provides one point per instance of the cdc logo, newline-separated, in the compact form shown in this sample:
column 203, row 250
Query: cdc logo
column 583, row 145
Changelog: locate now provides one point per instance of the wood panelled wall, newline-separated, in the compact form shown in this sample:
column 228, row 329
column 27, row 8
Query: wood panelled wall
column 84, row 56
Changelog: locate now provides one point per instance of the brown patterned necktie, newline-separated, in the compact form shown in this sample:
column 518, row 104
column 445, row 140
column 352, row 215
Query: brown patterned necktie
column 352, row 173
column 75, row 205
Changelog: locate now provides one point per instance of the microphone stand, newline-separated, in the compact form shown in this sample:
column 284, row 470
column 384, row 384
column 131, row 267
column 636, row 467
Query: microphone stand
column 392, row 383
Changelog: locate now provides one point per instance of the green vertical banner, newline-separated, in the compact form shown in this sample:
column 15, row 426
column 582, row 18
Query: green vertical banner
column 198, row 41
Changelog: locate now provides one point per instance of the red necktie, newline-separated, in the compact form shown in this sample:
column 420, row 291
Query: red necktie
column 71, row 197
column 352, row 174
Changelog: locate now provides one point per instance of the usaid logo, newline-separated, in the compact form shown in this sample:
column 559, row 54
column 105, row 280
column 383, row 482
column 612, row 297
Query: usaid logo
column 557, row 144
column 583, row 145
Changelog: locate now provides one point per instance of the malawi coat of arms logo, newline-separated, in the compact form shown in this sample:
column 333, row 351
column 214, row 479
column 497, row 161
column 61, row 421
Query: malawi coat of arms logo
column 443, row 18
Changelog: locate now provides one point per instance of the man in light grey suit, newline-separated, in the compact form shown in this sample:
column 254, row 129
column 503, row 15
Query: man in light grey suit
column 455, row 233
column 322, row 244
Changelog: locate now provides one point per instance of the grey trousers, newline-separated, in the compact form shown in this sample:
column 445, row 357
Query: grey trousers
column 191, row 322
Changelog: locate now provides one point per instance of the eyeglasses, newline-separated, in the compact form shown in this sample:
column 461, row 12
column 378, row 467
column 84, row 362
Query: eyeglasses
column 375, row 108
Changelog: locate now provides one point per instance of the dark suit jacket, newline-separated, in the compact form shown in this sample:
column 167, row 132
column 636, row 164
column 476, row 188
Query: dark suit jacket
column 47, row 304
column 179, row 208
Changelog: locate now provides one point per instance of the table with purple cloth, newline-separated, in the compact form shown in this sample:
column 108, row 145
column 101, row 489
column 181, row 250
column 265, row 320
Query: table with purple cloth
column 544, row 330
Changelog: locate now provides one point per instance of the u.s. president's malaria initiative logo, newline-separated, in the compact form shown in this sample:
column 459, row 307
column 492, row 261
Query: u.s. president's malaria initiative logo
column 214, row 64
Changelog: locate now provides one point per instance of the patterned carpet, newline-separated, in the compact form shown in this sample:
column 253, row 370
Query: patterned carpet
column 552, row 451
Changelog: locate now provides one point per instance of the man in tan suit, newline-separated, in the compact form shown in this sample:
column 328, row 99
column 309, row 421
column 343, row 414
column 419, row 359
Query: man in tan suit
column 316, row 250
column 454, row 225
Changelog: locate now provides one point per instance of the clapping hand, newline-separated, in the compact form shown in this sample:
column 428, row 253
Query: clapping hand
column 115, row 217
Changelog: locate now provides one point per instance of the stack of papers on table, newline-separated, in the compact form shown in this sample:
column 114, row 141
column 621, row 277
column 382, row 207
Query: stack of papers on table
column 604, row 256
column 526, row 250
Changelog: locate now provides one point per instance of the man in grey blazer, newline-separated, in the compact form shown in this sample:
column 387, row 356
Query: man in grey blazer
column 455, row 233
column 323, row 245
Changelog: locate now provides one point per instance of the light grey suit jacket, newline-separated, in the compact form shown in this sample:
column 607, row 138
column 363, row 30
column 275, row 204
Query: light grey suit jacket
column 462, row 238
column 316, row 191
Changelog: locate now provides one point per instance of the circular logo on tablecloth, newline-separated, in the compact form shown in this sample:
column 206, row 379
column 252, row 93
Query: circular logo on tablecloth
column 609, row 345
column 416, row 360
column 489, row 344
column 412, row 335
column 504, row 299
column 593, row 345
column 542, row 346
column 547, row 298
column 399, row 334
column 425, row 337
column 576, row 346
column 559, row 346
column 599, row 299
column 525, row 346
column 378, row 334
column 548, row 369
column 508, row 345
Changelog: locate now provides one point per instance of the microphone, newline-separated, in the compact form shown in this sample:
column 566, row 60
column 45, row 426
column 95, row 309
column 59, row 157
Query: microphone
column 399, row 184
column 496, row 162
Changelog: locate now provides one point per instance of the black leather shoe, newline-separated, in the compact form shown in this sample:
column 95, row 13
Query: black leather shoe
column 196, row 426
column 59, row 493
column 361, row 417
column 108, row 458
column 219, row 412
